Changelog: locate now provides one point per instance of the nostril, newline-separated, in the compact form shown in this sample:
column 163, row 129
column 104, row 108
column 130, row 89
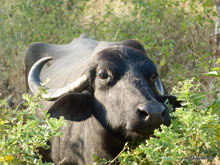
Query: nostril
column 143, row 113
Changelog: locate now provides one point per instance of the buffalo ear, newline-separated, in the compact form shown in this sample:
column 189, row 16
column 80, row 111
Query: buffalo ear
column 72, row 106
column 134, row 44
column 172, row 100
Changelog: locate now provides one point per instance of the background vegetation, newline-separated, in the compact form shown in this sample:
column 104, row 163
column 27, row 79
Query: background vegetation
column 177, row 34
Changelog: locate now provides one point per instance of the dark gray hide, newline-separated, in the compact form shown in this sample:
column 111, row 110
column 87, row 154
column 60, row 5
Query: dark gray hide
column 121, row 101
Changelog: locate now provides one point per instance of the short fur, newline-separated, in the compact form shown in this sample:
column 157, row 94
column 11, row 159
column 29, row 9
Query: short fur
column 120, row 104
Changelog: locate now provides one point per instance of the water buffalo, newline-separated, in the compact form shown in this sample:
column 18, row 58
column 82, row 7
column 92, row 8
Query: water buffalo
column 108, row 92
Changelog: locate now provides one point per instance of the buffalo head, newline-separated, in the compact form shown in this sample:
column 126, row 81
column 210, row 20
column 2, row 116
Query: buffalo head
column 121, row 86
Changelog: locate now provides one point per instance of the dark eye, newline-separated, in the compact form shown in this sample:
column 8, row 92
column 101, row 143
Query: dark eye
column 153, row 78
column 103, row 75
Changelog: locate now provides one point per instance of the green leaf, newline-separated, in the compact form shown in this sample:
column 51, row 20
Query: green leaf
column 163, row 62
column 218, row 61
column 215, row 69
column 212, row 73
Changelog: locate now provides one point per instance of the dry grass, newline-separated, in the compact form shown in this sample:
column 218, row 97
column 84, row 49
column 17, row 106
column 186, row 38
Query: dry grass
column 216, row 161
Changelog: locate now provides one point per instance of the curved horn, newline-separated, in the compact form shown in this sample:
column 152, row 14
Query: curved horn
column 35, row 83
column 159, row 86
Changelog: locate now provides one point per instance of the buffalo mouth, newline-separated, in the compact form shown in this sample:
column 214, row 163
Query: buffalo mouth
column 147, row 131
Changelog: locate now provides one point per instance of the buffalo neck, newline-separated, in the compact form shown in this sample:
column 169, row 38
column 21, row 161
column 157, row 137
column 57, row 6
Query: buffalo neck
column 108, row 145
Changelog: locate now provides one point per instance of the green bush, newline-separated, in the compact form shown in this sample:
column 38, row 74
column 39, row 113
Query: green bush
column 22, row 133
column 191, row 138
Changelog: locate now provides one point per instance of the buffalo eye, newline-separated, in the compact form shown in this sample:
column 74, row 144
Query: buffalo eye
column 153, row 78
column 103, row 75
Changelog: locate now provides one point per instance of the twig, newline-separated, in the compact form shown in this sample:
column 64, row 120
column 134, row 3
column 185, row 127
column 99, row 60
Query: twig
column 60, row 162
column 112, row 161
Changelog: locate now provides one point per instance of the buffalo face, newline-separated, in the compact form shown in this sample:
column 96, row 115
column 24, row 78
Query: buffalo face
column 124, row 93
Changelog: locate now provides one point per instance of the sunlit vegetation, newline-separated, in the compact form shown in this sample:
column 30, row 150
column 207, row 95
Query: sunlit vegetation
column 177, row 34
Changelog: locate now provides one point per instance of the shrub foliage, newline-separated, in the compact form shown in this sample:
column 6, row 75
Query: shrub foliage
column 22, row 133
